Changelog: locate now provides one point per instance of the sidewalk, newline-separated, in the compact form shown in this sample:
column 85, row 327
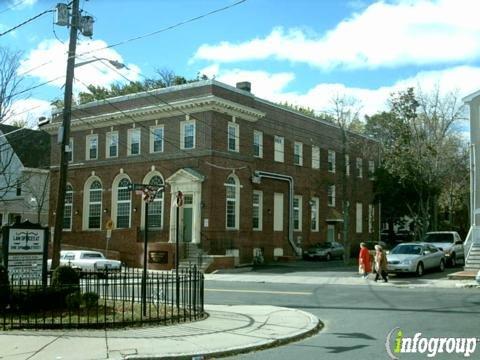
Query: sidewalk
column 228, row 330
column 337, row 278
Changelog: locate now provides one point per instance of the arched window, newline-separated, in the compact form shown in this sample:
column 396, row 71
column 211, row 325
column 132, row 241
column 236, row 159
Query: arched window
column 232, row 190
column 124, row 203
column 155, row 208
column 95, row 205
column 67, row 212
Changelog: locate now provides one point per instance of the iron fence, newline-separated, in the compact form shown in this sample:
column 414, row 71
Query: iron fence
column 105, row 299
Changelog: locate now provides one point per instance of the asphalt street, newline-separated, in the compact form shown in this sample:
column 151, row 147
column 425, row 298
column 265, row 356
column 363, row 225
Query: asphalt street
column 357, row 318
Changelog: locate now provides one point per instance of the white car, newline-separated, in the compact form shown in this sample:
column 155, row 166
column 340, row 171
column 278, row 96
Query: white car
column 415, row 257
column 87, row 260
column 449, row 242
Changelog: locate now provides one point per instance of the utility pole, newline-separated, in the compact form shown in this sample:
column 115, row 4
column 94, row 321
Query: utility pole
column 65, row 136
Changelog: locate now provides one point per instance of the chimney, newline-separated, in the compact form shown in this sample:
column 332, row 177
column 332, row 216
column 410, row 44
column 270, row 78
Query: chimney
column 244, row 85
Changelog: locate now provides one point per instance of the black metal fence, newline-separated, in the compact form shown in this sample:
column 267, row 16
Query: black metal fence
column 104, row 299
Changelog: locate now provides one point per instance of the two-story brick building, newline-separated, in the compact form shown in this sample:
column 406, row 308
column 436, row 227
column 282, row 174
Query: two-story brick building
column 254, row 174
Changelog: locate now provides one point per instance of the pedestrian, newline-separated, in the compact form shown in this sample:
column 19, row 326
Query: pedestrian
column 364, row 264
column 380, row 264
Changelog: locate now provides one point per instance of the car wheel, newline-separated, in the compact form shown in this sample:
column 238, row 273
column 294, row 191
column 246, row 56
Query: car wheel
column 453, row 260
column 328, row 257
column 420, row 269
column 441, row 267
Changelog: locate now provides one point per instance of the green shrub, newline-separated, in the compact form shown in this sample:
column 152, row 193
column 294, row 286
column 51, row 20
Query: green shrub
column 90, row 299
column 73, row 300
column 64, row 277
column 4, row 287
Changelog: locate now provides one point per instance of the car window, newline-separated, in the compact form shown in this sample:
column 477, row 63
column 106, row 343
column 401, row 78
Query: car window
column 69, row 256
column 407, row 250
column 92, row 256
column 439, row 238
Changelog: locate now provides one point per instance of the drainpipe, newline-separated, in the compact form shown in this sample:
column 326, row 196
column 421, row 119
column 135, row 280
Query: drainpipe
column 281, row 177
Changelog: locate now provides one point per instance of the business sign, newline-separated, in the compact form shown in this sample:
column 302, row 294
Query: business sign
column 25, row 251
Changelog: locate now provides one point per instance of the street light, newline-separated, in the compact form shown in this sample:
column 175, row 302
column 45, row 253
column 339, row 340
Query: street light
column 116, row 64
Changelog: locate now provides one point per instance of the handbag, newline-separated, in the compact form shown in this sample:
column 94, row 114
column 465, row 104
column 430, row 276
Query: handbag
column 361, row 269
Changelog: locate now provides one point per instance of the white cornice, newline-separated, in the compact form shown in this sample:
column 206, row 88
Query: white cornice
column 175, row 108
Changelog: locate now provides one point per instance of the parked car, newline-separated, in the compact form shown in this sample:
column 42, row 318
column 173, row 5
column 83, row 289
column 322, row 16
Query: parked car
column 327, row 251
column 87, row 261
column 449, row 242
column 477, row 277
column 415, row 257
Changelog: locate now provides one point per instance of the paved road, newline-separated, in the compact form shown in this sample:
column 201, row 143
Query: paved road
column 357, row 318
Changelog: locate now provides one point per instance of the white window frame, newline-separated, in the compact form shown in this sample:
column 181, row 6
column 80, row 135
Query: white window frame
column 235, row 200
column 331, row 161
column 130, row 137
column 70, row 151
column 297, row 212
column 259, row 207
column 87, row 204
column 359, row 168
column 315, row 157
column 298, row 153
column 233, row 140
column 371, row 169
column 108, row 142
column 359, row 218
column 68, row 209
column 183, row 125
column 88, row 146
column 116, row 202
column 158, row 201
column 331, row 195
column 153, row 129
column 258, row 135
column 347, row 164
column 279, row 148
column 371, row 217
column 314, row 208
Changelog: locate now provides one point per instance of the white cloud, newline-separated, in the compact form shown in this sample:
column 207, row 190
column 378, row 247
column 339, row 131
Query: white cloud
column 382, row 35
column 48, row 62
column 29, row 110
column 462, row 79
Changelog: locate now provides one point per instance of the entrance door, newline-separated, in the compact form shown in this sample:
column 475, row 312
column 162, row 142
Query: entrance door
column 277, row 212
column 188, row 218
column 331, row 233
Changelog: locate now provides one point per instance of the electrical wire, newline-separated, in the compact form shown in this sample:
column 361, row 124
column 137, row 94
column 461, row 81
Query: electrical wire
column 25, row 22
column 13, row 6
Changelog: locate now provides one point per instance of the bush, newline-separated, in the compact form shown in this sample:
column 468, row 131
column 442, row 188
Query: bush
column 64, row 277
column 73, row 300
column 90, row 299
column 4, row 287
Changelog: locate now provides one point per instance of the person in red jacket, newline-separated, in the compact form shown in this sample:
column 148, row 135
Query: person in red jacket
column 364, row 264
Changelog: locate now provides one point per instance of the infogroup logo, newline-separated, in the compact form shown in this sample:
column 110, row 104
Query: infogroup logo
column 397, row 343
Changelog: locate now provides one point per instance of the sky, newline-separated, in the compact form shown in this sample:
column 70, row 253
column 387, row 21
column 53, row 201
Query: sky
column 304, row 52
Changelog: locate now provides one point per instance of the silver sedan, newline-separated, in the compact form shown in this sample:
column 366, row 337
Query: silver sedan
column 415, row 258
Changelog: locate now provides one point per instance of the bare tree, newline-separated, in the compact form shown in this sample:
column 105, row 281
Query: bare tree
column 10, row 81
column 36, row 186
column 167, row 76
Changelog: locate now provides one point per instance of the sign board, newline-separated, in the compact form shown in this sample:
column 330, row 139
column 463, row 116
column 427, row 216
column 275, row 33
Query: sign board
column 25, row 251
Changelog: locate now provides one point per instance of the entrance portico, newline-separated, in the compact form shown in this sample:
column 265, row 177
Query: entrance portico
column 189, row 182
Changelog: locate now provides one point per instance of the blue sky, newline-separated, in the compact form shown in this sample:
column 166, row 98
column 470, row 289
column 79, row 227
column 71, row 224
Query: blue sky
column 305, row 51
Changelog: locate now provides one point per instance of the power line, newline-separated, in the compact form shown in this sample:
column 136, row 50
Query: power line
column 26, row 22
column 13, row 6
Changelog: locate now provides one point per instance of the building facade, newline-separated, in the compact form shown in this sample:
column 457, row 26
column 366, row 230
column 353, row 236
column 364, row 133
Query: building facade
column 255, row 176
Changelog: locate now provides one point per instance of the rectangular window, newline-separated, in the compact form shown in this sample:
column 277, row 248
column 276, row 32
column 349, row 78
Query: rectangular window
column 347, row 165
column 258, row 144
column 359, row 167
column 69, row 151
column 18, row 188
column 279, row 149
column 331, row 161
column 297, row 213
column 359, row 218
column 277, row 212
column 257, row 210
column 315, row 157
column 298, row 153
column 134, row 141
column 67, row 212
column 371, row 217
column 112, row 144
column 187, row 134
column 314, row 204
column 331, row 195
column 92, row 147
column 371, row 169
column 156, row 139
column 233, row 137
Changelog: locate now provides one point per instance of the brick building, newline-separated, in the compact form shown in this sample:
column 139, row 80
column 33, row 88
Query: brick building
column 236, row 158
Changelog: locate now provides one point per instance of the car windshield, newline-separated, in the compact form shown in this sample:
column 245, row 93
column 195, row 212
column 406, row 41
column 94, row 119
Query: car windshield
column 438, row 238
column 407, row 250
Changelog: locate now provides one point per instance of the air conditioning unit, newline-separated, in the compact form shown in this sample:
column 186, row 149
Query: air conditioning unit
column 256, row 179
